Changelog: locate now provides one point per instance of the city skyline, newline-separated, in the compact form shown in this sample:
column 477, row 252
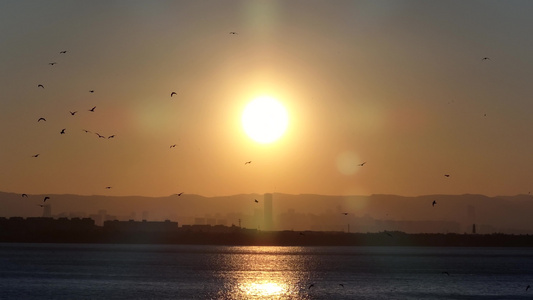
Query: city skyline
column 146, row 98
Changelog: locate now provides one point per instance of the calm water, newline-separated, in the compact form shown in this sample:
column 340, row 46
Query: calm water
column 73, row 271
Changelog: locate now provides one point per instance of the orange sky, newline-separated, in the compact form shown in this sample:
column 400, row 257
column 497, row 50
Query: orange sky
column 399, row 85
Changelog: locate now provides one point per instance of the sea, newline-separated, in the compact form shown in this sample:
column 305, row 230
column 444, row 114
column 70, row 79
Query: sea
column 118, row 271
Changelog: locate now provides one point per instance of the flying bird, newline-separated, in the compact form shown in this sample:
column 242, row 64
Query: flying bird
column 444, row 272
column 40, row 85
column 173, row 146
column 485, row 58
column 73, row 112
column 36, row 155
column 40, row 205
column 172, row 94
column 111, row 136
column 341, row 284
column 387, row 233
column 434, row 202
column 362, row 164
column 233, row 32
column 52, row 63
column 24, row 195
column 63, row 131
column 63, row 52
column 447, row 175
column 46, row 198
column 92, row 109
column 108, row 187
column 100, row 136
column 91, row 91
column 86, row 131
column 312, row 285
column 41, row 119
column 248, row 162
column 345, row 213
column 179, row 194
column 527, row 287
column 256, row 201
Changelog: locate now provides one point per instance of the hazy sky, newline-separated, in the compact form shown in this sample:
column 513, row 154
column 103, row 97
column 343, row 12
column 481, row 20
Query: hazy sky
column 401, row 85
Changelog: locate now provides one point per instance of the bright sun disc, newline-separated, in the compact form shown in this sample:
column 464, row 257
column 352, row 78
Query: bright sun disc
column 265, row 120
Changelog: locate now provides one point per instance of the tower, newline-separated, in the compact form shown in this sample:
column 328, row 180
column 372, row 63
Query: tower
column 268, row 219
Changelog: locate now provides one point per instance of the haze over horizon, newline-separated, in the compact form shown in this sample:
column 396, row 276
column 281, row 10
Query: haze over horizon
column 382, row 97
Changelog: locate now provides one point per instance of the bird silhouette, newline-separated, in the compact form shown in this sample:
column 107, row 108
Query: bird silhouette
column 341, row 284
column 444, row 272
column 100, row 136
column 41, row 119
column 179, row 194
column 387, row 233
column 345, row 213
column 24, row 195
column 434, row 202
column 63, row 131
column 527, row 287
column 36, row 155
column 86, row 131
column 173, row 146
column 41, row 205
column 52, row 63
column 46, row 198
column 111, row 136
column 40, row 85
column 63, row 52
column 91, row 91
column 72, row 112
column 485, row 58
column 92, row 109
column 172, row 94
column 312, row 285
column 233, row 32
column 447, row 175
column 362, row 164
column 108, row 187
column 256, row 201
column 248, row 162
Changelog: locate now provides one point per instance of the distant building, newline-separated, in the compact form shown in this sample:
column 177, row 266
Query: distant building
column 47, row 211
column 143, row 226
column 268, row 213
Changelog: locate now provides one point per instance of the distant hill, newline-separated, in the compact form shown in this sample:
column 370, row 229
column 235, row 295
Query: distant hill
column 509, row 212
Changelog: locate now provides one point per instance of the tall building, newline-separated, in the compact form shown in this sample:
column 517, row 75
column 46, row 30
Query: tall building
column 47, row 211
column 268, row 214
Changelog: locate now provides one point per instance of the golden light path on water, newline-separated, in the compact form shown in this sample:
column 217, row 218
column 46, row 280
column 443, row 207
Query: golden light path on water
column 265, row 273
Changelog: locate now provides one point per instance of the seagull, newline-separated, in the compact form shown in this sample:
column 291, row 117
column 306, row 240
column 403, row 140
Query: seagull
column 63, row 52
column 92, row 109
column 72, row 112
column 248, row 162
column 86, row 131
column 100, row 136
column 63, row 131
column 312, row 285
column 434, row 202
column 444, row 272
column 485, row 58
column 362, row 164
column 233, row 32
column 108, row 187
column 24, row 195
column 527, row 287
column 345, row 213
column 172, row 94
column 447, row 175
column 173, row 146
column 388, row 234
column 36, row 155
column 301, row 233
column 111, row 136
column 40, row 85
column 46, row 198
column 179, row 194
column 91, row 91
column 52, row 63
column 41, row 119
column 40, row 205
column 341, row 284
column 256, row 201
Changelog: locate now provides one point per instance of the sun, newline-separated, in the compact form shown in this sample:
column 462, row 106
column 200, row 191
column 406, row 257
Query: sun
column 265, row 120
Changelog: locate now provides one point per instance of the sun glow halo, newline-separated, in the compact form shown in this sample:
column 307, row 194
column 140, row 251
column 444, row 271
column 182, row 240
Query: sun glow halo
column 265, row 120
